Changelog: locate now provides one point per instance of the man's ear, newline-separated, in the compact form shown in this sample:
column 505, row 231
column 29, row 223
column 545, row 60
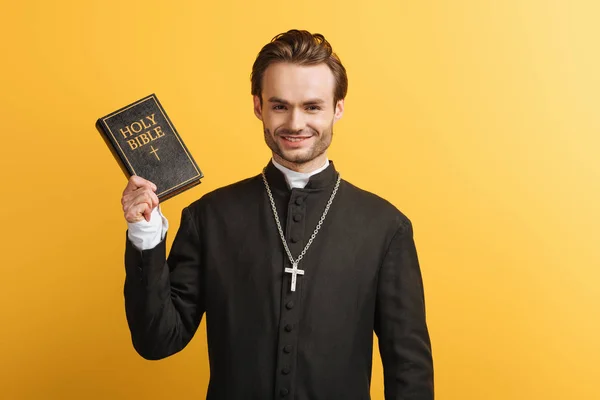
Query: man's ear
column 339, row 110
column 257, row 107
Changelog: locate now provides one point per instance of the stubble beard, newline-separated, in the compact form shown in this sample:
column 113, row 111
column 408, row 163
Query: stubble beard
column 319, row 147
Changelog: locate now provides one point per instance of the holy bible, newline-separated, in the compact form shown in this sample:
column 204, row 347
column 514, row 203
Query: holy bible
column 145, row 142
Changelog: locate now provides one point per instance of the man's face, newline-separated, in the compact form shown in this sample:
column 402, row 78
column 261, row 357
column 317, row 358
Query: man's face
column 298, row 113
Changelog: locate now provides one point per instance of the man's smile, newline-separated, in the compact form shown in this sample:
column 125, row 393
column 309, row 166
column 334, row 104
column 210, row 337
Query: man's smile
column 295, row 138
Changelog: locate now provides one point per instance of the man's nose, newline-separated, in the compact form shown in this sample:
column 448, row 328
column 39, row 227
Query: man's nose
column 296, row 121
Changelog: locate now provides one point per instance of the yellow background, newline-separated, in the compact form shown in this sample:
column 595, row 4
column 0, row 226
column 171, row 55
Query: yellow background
column 478, row 119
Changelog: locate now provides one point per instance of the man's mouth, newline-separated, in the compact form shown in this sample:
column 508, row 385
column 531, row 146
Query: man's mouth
column 295, row 138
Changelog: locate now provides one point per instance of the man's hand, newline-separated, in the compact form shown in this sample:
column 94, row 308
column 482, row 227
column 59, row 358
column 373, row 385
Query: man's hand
column 139, row 199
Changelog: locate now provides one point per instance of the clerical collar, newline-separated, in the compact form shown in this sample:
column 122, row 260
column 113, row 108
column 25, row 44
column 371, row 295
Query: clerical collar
column 298, row 179
column 323, row 180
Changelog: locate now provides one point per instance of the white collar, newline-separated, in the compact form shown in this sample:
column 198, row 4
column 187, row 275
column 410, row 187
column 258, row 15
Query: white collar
column 298, row 179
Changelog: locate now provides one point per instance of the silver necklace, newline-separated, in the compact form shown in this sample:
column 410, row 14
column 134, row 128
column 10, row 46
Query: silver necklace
column 294, row 270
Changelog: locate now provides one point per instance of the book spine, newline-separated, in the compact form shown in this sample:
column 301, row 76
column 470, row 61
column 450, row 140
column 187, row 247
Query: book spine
column 114, row 148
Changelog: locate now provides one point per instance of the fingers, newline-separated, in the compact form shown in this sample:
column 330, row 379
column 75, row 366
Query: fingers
column 140, row 196
column 135, row 182
column 145, row 196
column 139, row 199
column 147, row 213
column 138, row 212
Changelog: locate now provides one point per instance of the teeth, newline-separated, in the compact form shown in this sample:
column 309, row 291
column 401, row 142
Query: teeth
column 294, row 139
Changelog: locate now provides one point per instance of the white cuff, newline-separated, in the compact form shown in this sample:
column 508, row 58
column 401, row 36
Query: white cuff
column 146, row 235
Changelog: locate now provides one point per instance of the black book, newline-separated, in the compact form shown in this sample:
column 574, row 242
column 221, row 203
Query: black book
column 145, row 143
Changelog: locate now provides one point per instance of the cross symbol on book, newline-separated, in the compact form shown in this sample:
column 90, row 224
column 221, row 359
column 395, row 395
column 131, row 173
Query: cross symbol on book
column 154, row 152
column 295, row 272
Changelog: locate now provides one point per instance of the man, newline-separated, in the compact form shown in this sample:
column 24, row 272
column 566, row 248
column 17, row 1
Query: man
column 294, row 268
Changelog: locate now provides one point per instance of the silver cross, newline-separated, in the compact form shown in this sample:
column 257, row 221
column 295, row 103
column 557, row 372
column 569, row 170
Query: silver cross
column 295, row 272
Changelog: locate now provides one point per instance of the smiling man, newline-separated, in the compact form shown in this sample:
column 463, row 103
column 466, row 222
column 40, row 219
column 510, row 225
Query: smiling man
column 295, row 268
column 299, row 114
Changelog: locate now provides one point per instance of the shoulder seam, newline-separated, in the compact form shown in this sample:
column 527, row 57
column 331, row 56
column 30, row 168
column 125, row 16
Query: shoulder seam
column 193, row 222
column 402, row 229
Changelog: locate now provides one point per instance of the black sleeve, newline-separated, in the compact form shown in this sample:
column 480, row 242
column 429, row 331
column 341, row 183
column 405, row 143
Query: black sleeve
column 400, row 322
column 164, row 300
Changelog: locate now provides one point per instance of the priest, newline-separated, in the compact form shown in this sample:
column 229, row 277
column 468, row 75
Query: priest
column 294, row 268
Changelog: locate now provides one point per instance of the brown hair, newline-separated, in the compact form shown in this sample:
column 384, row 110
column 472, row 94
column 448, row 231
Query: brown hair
column 302, row 48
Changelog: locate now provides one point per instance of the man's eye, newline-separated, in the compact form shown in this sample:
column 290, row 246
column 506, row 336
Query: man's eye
column 313, row 108
column 279, row 107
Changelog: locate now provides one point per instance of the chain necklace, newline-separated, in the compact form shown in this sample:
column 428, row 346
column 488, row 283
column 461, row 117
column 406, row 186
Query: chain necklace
column 294, row 270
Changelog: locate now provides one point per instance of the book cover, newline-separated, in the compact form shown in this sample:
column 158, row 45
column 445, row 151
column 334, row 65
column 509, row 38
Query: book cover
column 145, row 143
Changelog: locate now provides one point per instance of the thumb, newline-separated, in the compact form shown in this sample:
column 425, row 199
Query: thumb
column 147, row 213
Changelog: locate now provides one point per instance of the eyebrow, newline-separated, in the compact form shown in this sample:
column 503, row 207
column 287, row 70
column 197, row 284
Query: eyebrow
column 307, row 102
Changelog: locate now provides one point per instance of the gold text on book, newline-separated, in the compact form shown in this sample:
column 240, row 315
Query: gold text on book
column 145, row 125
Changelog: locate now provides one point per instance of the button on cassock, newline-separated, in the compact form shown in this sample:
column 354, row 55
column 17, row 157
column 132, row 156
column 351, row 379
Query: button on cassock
column 290, row 305
column 297, row 217
column 299, row 201
column 287, row 348
column 288, row 328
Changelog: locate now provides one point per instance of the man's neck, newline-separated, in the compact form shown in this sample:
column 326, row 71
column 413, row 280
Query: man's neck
column 297, row 179
column 303, row 168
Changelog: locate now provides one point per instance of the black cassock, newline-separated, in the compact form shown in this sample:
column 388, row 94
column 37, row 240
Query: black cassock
column 265, row 341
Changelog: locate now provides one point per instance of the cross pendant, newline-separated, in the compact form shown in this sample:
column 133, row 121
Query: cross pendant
column 295, row 272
